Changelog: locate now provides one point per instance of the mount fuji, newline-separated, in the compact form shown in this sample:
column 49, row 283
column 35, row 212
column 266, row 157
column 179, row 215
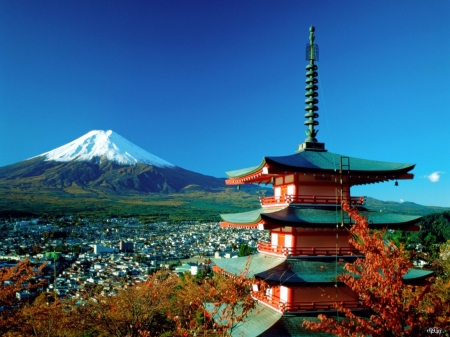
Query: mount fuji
column 103, row 161
column 100, row 146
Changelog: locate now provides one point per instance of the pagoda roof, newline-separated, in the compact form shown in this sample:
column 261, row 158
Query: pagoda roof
column 249, row 265
column 324, row 162
column 304, row 271
column 298, row 216
column 295, row 271
column 255, row 323
column 263, row 321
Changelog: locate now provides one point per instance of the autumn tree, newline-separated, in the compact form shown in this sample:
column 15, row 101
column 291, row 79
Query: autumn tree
column 50, row 316
column 397, row 308
column 163, row 305
column 214, row 303
column 136, row 308
column 20, row 278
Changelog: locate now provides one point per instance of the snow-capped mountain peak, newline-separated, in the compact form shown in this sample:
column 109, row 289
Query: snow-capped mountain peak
column 104, row 145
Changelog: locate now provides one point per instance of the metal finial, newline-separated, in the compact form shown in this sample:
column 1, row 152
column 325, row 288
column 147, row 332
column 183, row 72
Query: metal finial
column 312, row 55
column 311, row 88
column 312, row 49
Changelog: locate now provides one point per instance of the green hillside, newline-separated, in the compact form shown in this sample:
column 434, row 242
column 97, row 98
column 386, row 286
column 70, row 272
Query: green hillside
column 191, row 204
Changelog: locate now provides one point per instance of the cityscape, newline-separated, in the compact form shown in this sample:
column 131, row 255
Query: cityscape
column 80, row 253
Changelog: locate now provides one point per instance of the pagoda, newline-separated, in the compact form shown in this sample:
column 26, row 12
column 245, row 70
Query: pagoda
column 308, row 230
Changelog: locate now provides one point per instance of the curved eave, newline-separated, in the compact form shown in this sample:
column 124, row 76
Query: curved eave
column 417, row 274
column 256, row 176
column 226, row 224
column 314, row 217
column 325, row 217
column 321, row 162
column 295, row 271
column 252, row 265
column 328, row 162
column 246, row 219
column 320, row 272
column 245, row 171
column 373, row 179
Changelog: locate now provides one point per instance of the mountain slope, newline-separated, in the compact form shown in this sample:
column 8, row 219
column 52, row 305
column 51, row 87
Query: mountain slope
column 106, row 177
column 102, row 162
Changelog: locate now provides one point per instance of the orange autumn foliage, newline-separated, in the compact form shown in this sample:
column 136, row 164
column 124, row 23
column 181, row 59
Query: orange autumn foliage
column 216, row 303
column 396, row 307
column 135, row 309
column 21, row 277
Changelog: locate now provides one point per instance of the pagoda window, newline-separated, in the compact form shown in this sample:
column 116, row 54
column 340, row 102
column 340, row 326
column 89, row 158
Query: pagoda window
column 279, row 181
column 274, row 240
column 284, row 294
column 277, row 193
column 288, row 241
column 269, row 293
column 291, row 190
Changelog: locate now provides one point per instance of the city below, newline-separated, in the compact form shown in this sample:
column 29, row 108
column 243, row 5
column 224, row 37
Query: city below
column 80, row 253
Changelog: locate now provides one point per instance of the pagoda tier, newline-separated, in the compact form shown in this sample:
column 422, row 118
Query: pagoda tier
column 304, row 231
column 300, row 286
column 313, row 167
column 313, row 217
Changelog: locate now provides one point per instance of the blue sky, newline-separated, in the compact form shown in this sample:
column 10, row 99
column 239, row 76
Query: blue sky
column 214, row 86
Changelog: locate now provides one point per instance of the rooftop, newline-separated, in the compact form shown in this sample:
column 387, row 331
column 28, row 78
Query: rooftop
column 295, row 271
column 302, row 216
column 324, row 162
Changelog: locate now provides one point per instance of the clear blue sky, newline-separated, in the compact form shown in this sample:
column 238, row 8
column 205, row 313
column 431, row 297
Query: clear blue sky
column 214, row 86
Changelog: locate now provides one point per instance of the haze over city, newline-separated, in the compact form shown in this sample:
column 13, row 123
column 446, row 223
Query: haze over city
column 215, row 86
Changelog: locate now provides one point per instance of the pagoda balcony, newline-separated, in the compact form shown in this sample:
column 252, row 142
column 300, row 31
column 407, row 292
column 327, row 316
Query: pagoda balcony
column 280, row 251
column 283, row 306
column 308, row 199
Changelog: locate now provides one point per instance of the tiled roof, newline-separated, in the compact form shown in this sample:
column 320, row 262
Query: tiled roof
column 414, row 274
column 255, row 323
column 250, row 266
column 250, row 216
column 315, row 216
column 304, row 271
column 316, row 161
column 294, row 271
column 291, row 326
column 264, row 322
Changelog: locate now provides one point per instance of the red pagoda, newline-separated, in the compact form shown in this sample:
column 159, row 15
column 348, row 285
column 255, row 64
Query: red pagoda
column 307, row 226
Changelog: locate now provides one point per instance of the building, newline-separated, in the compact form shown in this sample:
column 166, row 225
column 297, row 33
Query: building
column 126, row 246
column 308, row 230
column 99, row 249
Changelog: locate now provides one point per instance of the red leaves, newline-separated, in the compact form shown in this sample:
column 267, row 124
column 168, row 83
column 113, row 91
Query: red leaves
column 399, row 309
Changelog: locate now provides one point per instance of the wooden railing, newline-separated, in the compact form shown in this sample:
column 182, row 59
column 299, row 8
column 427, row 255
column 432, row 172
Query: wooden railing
column 283, row 306
column 268, row 248
column 312, row 306
column 308, row 199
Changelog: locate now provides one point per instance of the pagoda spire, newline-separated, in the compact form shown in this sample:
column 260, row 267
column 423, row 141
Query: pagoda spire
column 312, row 55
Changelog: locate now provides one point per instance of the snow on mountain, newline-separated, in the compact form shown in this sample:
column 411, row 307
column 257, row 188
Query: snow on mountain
column 104, row 145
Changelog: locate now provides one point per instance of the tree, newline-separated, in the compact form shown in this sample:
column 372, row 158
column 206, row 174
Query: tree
column 216, row 302
column 20, row 277
column 436, row 224
column 50, row 316
column 397, row 308
column 244, row 250
column 135, row 308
